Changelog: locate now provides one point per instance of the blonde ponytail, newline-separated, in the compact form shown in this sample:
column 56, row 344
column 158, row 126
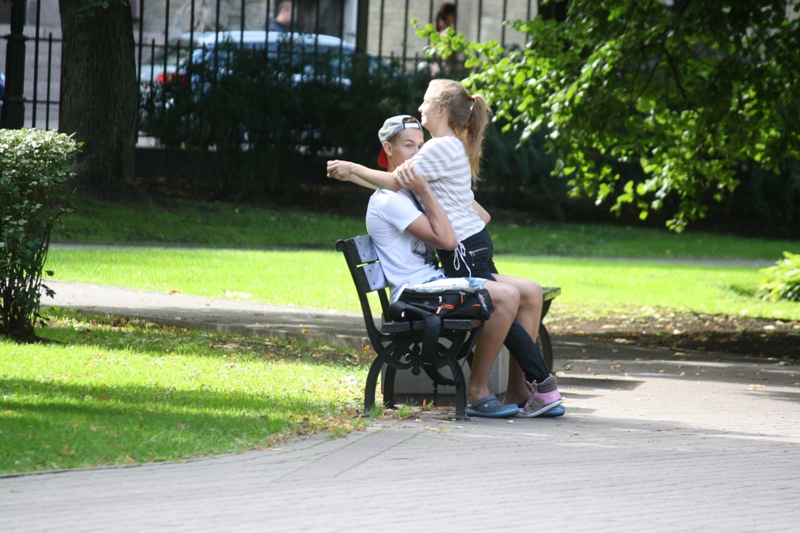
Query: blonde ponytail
column 468, row 115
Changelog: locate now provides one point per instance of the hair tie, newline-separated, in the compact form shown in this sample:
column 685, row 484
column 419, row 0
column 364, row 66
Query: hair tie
column 470, row 97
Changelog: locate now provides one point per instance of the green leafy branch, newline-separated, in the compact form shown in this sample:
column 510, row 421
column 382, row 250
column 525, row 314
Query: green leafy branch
column 683, row 95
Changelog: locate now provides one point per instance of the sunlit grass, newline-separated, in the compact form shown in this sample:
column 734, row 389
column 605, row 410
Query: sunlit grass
column 320, row 279
column 212, row 224
column 607, row 286
column 114, row 391
column 628, row 241
column 317, row 279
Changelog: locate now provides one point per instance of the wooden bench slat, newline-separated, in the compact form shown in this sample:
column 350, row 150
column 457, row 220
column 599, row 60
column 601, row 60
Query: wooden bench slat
column 375, row 276
column 419, row 325
column 366, row 251
column 550, row 293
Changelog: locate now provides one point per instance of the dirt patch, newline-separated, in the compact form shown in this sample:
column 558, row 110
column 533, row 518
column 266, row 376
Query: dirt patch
column 664, row 328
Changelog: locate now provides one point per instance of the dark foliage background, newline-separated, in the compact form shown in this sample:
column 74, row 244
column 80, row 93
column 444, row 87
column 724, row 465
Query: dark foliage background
column 264, row 127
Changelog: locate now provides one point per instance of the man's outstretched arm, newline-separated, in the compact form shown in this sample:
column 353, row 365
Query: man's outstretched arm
column 361, row 175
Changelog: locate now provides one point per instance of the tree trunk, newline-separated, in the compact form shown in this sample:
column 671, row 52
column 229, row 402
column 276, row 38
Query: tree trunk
column 99, row 96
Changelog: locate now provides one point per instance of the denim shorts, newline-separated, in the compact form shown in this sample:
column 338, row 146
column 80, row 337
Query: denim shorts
column 471, row 281
column 438, row 284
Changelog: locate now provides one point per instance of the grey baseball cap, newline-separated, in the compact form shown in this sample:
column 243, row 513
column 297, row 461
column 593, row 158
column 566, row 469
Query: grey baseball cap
column 391, row 127
column 395, row 125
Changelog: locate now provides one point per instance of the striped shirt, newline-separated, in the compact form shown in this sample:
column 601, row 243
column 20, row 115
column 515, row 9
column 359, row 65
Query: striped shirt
column 444, row 164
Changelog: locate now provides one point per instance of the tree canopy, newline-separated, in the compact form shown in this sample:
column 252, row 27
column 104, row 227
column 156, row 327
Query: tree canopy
column 682, row 91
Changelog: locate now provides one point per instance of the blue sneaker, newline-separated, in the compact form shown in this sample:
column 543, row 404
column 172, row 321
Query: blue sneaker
column 491, row 407
column 554, row 412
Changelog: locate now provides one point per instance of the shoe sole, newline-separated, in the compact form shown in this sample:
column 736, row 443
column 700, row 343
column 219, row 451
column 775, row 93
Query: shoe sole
column 496, row 414
column 554, row 412
column 542, row 410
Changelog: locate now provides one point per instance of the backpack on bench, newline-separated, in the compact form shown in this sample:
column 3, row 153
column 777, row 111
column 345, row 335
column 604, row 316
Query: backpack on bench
column 420, row 302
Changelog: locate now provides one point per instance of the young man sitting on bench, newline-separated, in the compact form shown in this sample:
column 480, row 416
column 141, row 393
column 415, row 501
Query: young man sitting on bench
column 400, row 231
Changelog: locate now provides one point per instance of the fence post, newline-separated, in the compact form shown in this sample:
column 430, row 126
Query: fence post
column 13, row 114
column 362, row 22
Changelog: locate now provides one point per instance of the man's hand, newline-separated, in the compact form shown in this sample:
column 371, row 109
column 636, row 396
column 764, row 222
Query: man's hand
column 408, row 178
column 340, row 170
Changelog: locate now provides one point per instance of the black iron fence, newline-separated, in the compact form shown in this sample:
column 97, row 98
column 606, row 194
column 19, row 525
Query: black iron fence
column 39, row 64
column 164, row 31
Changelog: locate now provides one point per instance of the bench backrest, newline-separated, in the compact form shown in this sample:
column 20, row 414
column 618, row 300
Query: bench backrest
column 365, row 268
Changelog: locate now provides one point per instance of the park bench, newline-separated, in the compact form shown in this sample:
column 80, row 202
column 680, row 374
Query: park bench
column 397, row 343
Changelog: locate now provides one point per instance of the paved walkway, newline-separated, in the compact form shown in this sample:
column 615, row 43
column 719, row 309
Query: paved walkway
column 235, row 316
column 653, row 440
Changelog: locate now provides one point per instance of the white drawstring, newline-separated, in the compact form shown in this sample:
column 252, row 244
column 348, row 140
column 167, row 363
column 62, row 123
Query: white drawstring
column 460, row 254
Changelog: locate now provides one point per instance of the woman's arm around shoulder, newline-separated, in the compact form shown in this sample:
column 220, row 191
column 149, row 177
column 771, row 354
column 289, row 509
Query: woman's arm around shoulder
column 434, row 229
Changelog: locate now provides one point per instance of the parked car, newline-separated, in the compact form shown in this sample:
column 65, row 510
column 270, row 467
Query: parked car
column 276, row 42
column 304, row 53
column 161, row 61
column 257, row 90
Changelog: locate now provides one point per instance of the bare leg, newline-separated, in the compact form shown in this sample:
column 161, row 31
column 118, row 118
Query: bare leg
column 529, row 317
column 516, row 391
column 531, row 301
column 506, row 301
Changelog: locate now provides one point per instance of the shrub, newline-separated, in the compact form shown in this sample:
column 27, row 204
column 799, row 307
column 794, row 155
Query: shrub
column 782, row 281
column 34, row 171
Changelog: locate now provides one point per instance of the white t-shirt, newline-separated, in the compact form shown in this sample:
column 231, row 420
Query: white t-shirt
column 444, row 164
column 401, row 254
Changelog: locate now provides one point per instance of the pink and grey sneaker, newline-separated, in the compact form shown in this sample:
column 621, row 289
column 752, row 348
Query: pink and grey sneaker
column 544, row 396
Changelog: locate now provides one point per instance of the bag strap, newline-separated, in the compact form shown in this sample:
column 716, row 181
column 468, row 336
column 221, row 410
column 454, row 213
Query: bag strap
column 430, row 335
column 430, row 339
column 430, row 251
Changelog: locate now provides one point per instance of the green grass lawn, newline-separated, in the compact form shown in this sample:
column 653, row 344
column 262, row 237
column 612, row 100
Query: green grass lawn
column 554, row 254
column 320, row 279
column 626, row 241
column 202, row 224
column 226, row 225
column 607, row 286
column 115, row 391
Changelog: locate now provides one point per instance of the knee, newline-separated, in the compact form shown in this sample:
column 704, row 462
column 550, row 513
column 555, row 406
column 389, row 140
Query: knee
column 531, row 293
column 513, row 296
column 510, row 296
column 506, row 298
